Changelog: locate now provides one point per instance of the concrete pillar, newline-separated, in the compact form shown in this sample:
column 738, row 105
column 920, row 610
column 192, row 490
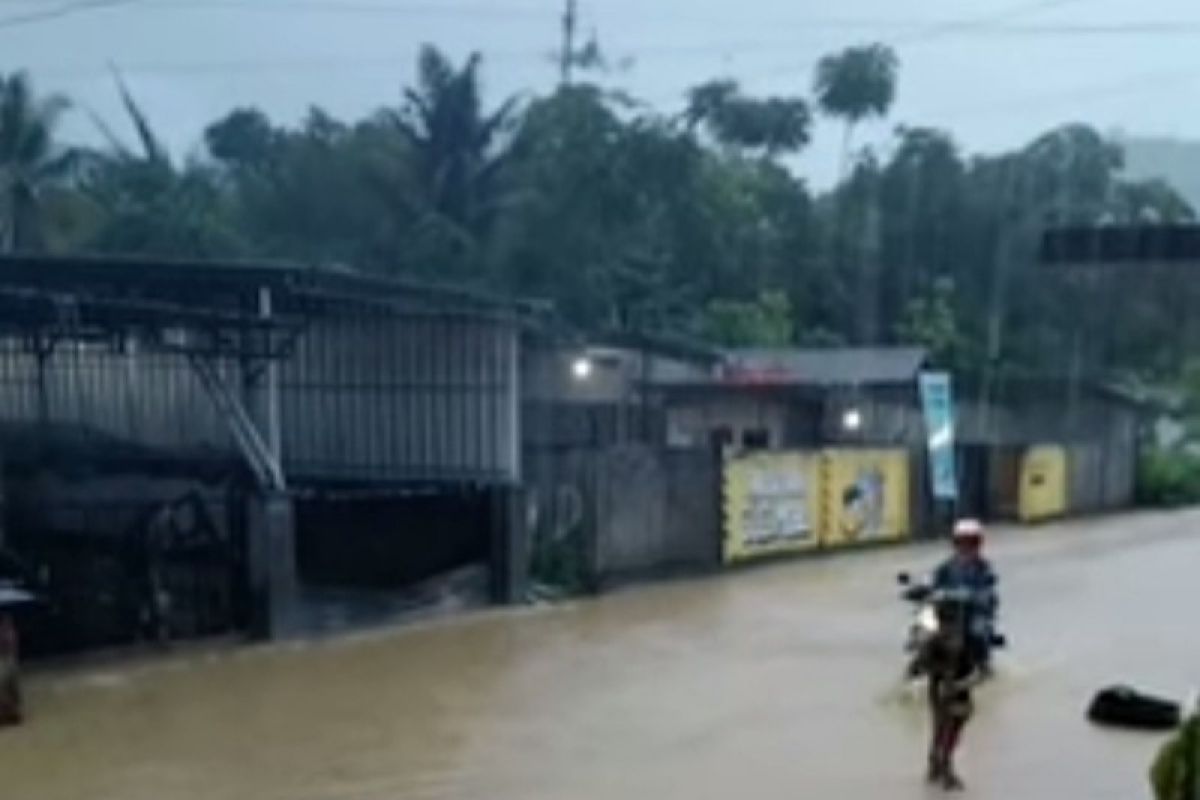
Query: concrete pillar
column 509, row 545
column 274, row 587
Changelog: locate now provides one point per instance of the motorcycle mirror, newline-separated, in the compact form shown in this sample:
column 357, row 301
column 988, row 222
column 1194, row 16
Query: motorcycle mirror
column 904, row 579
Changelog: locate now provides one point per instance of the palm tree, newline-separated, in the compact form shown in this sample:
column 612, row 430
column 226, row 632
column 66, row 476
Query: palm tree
column 149, row 205
column 456, row 146
column 855, row 84
column 30, row 159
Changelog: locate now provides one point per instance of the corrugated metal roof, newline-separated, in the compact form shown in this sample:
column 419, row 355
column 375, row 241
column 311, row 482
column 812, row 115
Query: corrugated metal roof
column 209, row 282
column 830, row 366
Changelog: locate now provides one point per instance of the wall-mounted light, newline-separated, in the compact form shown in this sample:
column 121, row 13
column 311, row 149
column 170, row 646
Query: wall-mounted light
column 582, row 368
column 852, row 420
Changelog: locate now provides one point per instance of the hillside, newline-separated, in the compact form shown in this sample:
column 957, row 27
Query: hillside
column 1174, row 160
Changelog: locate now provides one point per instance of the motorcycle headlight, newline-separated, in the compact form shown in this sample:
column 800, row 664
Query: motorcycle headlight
column 927, row 619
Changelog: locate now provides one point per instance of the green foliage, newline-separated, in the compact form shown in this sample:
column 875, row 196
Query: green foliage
column 858, row 82
column 143, row 203
column 930, row 321
column 764, row 322
column 1168, row 478
column 772, row 127
column 560, row 564
column 31, row 160
column 627, row 218
column 455, row 154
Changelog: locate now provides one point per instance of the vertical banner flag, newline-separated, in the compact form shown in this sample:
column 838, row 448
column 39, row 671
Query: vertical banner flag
column 937, row 403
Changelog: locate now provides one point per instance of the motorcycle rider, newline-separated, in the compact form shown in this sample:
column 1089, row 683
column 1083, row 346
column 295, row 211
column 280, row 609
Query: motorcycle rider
column 968, row 572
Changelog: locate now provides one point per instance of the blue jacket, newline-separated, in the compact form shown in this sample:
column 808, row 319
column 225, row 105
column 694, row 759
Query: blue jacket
column 976, row 577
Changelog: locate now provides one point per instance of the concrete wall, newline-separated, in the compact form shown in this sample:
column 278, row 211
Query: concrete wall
column 617, row 374
column 657, row 510
column 1100, row 480
column 692, row 423
column 598, row 515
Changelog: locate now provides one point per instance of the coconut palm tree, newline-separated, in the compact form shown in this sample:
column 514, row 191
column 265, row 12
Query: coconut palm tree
column 456, row 146
column 147, row 204
column 853, row 85
column 30, row 159
column 856, row 84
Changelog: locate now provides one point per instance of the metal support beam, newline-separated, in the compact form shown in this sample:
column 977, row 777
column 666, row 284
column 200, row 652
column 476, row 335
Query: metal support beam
column 270, row 422
column 262, row 460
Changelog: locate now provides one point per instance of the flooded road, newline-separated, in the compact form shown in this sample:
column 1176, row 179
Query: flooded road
column 776, row 682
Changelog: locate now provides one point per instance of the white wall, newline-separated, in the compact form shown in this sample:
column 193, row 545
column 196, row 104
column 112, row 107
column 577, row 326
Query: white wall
column 692, row 423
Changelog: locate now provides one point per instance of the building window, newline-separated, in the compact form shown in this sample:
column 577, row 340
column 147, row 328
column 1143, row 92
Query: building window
column 722, row 437
column 756, row 439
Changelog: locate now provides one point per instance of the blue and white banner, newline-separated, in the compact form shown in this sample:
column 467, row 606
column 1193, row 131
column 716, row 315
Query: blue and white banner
column 937, row 402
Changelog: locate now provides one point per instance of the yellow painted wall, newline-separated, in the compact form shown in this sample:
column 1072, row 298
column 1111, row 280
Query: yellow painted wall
column 866, row 497
column 772, row 505
column 1043, row 493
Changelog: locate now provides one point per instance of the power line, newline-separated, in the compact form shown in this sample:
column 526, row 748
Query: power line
column 58, row 12
column 401, row 58
column 347, row 7
column 931, row 32
column 939, row 30
column 908, row 31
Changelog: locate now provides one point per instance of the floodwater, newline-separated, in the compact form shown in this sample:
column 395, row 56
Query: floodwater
column 777, row 682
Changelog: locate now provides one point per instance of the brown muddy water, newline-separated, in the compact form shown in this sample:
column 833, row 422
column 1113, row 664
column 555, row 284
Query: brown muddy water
column 779, row 682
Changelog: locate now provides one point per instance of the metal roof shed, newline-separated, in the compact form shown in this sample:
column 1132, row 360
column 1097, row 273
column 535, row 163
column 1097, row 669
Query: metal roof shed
column 315, row 376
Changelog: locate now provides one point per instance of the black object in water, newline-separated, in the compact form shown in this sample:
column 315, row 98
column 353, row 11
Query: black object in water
column 1128, row 708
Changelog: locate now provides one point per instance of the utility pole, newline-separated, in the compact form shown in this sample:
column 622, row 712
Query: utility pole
column 570, row 23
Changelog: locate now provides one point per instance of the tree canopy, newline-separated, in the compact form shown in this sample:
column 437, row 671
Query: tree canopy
column 627, row 218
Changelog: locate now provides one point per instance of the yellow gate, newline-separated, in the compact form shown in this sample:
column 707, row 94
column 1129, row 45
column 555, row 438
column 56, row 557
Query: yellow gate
column 866, row 497
column 772, row 505
column 1043, row 483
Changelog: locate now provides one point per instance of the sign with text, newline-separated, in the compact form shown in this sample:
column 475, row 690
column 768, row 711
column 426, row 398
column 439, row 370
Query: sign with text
column 771, row 505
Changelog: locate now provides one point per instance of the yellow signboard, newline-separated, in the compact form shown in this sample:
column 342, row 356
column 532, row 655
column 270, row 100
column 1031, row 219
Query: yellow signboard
column 866, row 497
column 772, row 505
column 1043, row 483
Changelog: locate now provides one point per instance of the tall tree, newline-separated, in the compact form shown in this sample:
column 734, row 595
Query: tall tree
column 31, row 160
column 457, row 152
column 855, row 84
column 323, row 191
column 770, row 126
column 147, row 204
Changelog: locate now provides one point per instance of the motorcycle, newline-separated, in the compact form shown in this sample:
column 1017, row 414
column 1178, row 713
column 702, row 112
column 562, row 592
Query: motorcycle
column 924, row 624
column 16, row 586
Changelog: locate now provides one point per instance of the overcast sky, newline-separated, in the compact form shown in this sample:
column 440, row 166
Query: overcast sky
column 994, row 72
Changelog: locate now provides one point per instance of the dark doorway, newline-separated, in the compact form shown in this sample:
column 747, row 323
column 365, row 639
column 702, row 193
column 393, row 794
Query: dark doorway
column 393, row 541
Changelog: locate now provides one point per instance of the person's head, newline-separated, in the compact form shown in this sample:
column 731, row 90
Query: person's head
column 968, row 538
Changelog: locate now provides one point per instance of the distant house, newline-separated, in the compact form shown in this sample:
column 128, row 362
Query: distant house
column 869, row 397
column 782, row 398
column 1095, row 428
column 594, row 393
